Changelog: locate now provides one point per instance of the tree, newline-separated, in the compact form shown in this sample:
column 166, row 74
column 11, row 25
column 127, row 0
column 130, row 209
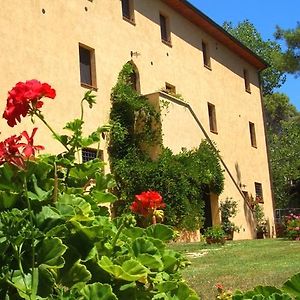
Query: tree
column 289, row 61
column 247, row 34
column 285, row 164
column 278, row 109
column 283, row 132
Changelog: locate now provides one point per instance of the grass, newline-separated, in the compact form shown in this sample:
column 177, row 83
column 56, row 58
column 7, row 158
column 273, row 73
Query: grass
column 239, row 264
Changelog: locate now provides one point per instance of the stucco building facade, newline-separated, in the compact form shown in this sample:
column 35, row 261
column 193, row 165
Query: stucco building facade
column 75, row 45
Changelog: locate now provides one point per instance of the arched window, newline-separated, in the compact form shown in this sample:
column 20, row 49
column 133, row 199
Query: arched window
column 135, row 78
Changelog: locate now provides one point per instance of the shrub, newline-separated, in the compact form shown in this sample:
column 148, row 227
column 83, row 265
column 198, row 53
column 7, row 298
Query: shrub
column 228, row 209
column 292, row 227
column 182, row 179
column 215, row 234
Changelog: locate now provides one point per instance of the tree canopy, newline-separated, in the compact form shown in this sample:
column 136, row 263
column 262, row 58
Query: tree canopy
column 283, row 132
column 247, row 34
column 289, row 61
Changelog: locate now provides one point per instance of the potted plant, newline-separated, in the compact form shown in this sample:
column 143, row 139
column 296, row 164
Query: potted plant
column 214, row 235
column 228, row 209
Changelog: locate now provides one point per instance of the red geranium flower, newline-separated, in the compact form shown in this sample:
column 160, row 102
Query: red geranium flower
column 25, row 96
column 146, row 203
column 9, row 151
column 29, row 149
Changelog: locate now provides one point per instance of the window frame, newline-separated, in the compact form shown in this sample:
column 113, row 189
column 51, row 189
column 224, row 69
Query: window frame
column 259, row 196
column 100, row 154
column 247, row 81
column 212, row 118
column 130, row 17
column 170, row 88
column 206, row 55
column 92, row 84
column 167, row 32
column 252, row 132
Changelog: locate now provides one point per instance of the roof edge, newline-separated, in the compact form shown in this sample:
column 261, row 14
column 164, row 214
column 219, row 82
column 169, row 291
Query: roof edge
column 217, row 31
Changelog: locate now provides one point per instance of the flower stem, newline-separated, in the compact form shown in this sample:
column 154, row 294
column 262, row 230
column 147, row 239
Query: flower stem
column 114, row 241
column 41, row 117
column 32, row 236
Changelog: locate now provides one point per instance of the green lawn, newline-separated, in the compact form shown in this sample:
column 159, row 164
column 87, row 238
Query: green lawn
column 240, row 264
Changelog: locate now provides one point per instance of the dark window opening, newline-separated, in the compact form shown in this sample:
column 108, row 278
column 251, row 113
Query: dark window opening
column 258, row 192
column 247, row 81
column 127, row 10
column 212, row 118
column 87, row 66
column 252, row 134
column 170, row 89
column 164, row 29
column 206, row 57
column 133, row 80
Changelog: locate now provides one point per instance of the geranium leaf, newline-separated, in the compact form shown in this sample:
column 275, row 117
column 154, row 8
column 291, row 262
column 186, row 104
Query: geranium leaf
column 38, row 194
column 142, row 245
column 131, row 270
column 8, row 199
column 103, row 197
column 75, row 125
column 74, row 274
column 98, row 291
column 47, row 212
column 153, row 262
column 49, row 253
column 292, row 286
column 160, row 231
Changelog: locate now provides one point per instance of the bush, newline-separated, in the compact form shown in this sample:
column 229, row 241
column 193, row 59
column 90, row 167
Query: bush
column 182, row 179
column 215, row 234
column 228, row 209
column 292, row 227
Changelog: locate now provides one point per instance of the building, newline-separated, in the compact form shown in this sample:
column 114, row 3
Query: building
column 83, row 44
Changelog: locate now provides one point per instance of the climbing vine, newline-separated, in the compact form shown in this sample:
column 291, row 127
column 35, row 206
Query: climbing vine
column 183, row 179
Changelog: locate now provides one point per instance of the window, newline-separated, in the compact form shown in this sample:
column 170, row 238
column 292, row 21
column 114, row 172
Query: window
column 212, row 118
column 170, row 89
column 252, row 134
column 90, row 154
column 258, row 192
column 127, row 10
column 165, row 29
column 206, row 56
column 247, row 81
column 87, row 66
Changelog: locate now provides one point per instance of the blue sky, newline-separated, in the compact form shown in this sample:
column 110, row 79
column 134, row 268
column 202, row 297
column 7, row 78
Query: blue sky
column 265, row 15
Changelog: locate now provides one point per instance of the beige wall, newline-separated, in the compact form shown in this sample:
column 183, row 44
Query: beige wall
column 45, row 47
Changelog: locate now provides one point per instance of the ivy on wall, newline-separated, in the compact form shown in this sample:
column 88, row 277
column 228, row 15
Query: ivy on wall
column 182, row 179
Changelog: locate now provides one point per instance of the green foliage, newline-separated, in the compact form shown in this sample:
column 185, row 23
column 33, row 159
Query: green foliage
column 292, row 227
column 290, row 60
column 278, row 110
column 182, row 179
column 289, row 291
column 132, row 118
column 259, row 216
column 58, row 242
column 246, row 33
column 215, row 234
column 285, row 164
column 228, row 209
